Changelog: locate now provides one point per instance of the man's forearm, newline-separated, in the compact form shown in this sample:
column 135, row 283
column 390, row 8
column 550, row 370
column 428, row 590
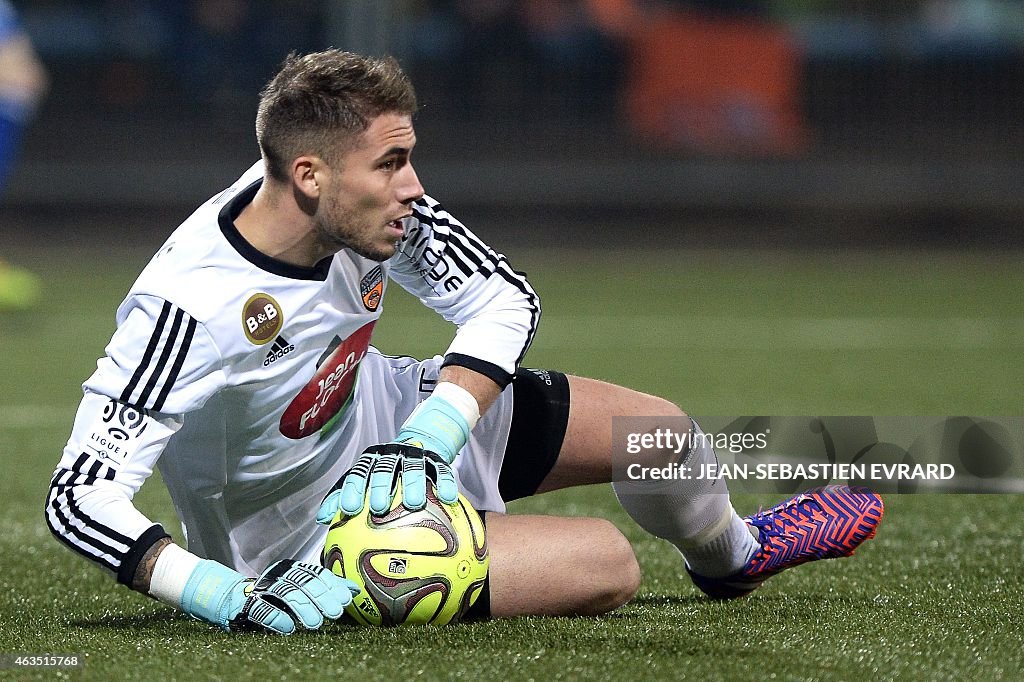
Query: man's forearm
column 481, row 387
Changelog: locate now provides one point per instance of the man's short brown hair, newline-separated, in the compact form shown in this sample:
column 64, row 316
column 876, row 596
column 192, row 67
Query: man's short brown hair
column 319, row 103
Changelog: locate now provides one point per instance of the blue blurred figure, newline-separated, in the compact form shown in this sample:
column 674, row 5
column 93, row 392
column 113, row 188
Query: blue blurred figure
column 23, row 81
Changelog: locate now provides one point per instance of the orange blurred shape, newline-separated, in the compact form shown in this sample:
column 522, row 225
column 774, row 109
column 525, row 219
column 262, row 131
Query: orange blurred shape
column 716, row 86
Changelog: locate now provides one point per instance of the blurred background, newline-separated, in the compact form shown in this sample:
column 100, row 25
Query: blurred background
column 704, row 122
column 749, row 207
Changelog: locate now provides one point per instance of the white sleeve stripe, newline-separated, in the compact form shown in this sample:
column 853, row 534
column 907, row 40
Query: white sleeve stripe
column 175, row 338
column 472, row 240
column 473, row 249
column 66, row 474
column 76, row 536
column 444, row 223
column 165, row 354
column 71, row 478
column 63, row 484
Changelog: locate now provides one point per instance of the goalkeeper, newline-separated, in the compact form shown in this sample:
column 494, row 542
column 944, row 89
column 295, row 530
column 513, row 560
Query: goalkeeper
column 242, row 367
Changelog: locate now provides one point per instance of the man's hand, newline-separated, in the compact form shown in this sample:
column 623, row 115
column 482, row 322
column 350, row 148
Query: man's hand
column 427, row 444
column 287, row 594
column 378, row 468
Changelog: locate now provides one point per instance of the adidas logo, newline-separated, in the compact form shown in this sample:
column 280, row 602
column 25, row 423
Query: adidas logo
column 278, row 350
column 543, row 375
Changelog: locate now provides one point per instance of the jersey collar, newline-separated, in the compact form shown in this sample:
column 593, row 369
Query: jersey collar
column 226, row 220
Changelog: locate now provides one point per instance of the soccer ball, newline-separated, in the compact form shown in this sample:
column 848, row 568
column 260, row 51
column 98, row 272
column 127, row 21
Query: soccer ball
column 425, row 566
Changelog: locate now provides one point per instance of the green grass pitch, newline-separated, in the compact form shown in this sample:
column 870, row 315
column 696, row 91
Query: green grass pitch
column 936, row 596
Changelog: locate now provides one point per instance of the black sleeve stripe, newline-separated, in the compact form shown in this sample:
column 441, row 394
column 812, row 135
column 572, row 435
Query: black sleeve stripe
column 444, row 224
column 472, row 247
column 472, row 242
column 186, row 342
column 70, row 479
column 154, row 341
column 84, row 540
column 430, row 216
column 92, row 524
column 80, row 463
column 460, row 240
column 94, row 471
column 506, row 272
column 464, row 244
column 452, row 251
column 66, row 489
column 161, row 363
column 65, row 474
column 79, row 550
column 161, row 374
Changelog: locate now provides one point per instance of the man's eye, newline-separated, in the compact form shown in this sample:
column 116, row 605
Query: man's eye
column 388, row 165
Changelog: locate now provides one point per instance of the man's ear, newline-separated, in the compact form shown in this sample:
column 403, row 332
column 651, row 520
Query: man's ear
column 307, row 174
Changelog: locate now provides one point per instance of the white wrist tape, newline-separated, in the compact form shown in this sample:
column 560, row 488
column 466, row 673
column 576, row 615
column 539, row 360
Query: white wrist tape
column 461, row 399
column 172, row 571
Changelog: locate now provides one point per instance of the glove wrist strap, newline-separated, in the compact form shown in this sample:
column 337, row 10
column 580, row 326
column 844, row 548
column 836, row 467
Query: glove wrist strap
column 208, row 590
column 443, row 421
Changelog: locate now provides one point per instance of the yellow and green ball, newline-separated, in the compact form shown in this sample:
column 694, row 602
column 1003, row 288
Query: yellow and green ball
column 423, row 567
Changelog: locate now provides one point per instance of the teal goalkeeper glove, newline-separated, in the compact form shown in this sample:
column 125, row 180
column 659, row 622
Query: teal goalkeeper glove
column 378, row 469
column 425, row 446
column 289, row 592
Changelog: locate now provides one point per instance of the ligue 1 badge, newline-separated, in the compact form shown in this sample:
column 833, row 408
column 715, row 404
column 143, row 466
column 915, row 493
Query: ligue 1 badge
column 371, row 288
column 261, row 318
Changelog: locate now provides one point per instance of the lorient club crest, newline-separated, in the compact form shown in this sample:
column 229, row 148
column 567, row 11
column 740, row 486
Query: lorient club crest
column 371, row 288
column 325, row 395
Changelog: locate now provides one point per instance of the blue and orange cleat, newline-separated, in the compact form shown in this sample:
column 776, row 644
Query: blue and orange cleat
column 823, row 523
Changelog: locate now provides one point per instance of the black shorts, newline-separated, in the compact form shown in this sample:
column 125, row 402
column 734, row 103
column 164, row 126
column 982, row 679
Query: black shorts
column 540, row 414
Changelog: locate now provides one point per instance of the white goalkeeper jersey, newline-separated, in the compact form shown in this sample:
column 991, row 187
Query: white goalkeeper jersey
column 240, row 376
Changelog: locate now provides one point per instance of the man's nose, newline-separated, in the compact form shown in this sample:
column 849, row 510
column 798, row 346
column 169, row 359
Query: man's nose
column 410, row 189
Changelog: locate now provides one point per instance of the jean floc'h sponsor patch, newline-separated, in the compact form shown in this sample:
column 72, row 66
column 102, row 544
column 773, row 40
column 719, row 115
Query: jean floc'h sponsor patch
column 327, row 392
